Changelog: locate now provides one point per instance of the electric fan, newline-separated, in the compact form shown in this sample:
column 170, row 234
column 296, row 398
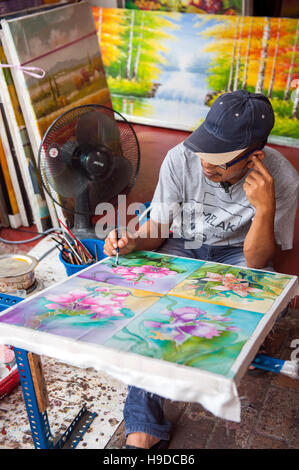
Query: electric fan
column 87, row 157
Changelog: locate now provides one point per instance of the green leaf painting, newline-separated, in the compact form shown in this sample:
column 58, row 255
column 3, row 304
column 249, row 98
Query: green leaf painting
column 233, row 286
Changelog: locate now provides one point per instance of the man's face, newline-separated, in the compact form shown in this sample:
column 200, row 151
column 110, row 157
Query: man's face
column 231, row 175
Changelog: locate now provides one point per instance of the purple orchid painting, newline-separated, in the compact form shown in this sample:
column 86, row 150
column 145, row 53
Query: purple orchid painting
column 190, row 321
column 188, row 332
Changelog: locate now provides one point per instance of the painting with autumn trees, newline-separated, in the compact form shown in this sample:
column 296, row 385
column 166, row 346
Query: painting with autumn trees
column 213, row 7
column 167, row 68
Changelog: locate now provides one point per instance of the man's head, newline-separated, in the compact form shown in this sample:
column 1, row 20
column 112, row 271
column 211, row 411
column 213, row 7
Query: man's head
column 237, row 125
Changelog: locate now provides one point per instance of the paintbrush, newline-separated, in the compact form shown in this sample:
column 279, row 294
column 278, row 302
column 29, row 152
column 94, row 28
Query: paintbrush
column 64, row 254
column 117, row 238
column 71, row 248
column 78, row 242
column 74, row 252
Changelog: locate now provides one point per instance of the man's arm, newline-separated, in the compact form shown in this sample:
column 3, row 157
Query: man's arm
column 259, row 244
column 150, row 236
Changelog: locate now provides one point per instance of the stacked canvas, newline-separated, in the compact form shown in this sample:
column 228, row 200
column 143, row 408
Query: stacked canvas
column 62, row 42
column 13, row 212
column 22, row 148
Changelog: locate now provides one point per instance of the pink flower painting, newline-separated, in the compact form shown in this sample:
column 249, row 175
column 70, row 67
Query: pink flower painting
column 108, row 304
column 147, row 273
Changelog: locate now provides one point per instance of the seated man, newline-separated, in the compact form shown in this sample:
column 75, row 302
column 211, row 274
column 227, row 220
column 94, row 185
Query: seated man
column 240, row 199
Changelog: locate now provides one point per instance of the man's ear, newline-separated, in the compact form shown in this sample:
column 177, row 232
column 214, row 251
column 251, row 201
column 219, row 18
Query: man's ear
column 259, row 154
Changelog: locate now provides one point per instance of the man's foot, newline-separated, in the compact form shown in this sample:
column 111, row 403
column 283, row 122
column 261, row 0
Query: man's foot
column 255, row 371
column 141, row 440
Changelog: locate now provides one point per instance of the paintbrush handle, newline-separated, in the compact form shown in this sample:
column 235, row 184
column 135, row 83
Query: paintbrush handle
column 77, row 241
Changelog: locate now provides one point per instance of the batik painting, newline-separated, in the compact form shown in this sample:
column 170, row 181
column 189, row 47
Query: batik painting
column 143, row 270
column 167, row 68
column 179, row 310
column 195, row 334
column 233, row 286
column 81, row 309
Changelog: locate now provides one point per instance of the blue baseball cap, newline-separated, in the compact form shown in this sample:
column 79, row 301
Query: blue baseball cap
column 235, row 122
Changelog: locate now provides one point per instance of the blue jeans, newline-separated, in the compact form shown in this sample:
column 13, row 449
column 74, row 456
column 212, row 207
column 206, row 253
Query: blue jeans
column 143, row 411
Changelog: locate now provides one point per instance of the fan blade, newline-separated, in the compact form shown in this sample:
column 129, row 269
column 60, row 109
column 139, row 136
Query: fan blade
column 61, row 173
column 95, row 129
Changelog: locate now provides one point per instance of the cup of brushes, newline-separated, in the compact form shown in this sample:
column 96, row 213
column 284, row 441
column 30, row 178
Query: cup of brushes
column 75, row 258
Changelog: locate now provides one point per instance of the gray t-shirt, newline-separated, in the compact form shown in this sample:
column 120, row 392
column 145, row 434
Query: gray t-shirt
column 200, row 209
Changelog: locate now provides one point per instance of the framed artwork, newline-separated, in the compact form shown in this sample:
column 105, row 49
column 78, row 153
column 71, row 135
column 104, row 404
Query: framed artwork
column 72, row 61
column 167, row 68
column 23, row 150
column 212, row 7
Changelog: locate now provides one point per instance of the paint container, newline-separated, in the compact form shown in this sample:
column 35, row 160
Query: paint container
column 17, row 272
column 93, row 246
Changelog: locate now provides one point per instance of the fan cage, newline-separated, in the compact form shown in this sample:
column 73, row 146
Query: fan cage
column 63, row 129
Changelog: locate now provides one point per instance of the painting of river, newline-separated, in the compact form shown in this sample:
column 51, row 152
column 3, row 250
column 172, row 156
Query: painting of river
column 167, row 68
column 168, row 104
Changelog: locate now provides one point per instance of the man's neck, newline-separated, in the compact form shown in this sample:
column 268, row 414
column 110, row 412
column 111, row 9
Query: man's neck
column 237, row 178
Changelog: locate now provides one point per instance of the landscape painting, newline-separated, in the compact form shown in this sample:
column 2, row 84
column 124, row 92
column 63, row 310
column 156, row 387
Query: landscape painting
column 187, row 332
column 63, row 43
column 212, row 7
column 233, row 286
column 22, row 146
column 167, row 68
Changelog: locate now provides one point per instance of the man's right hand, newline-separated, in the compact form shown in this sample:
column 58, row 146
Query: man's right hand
column 126, row 243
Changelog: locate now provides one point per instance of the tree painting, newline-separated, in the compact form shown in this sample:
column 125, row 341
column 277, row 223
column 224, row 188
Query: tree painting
column 213, row 7
column 167, row 68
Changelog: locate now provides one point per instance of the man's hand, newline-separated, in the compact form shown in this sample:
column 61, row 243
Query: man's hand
column 259, row 187
column 259, row 243
column 126, row 243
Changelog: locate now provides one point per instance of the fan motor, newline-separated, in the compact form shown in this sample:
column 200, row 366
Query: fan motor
column 97, row 163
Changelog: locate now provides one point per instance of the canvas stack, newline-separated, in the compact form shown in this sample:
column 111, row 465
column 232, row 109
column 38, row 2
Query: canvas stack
column 62, row 42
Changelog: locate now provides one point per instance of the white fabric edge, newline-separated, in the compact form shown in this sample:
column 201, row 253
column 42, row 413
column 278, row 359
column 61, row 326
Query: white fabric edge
column 252, row 345
column 216, row 393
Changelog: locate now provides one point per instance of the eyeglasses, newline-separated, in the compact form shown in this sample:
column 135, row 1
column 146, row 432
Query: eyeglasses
column 227, row 165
